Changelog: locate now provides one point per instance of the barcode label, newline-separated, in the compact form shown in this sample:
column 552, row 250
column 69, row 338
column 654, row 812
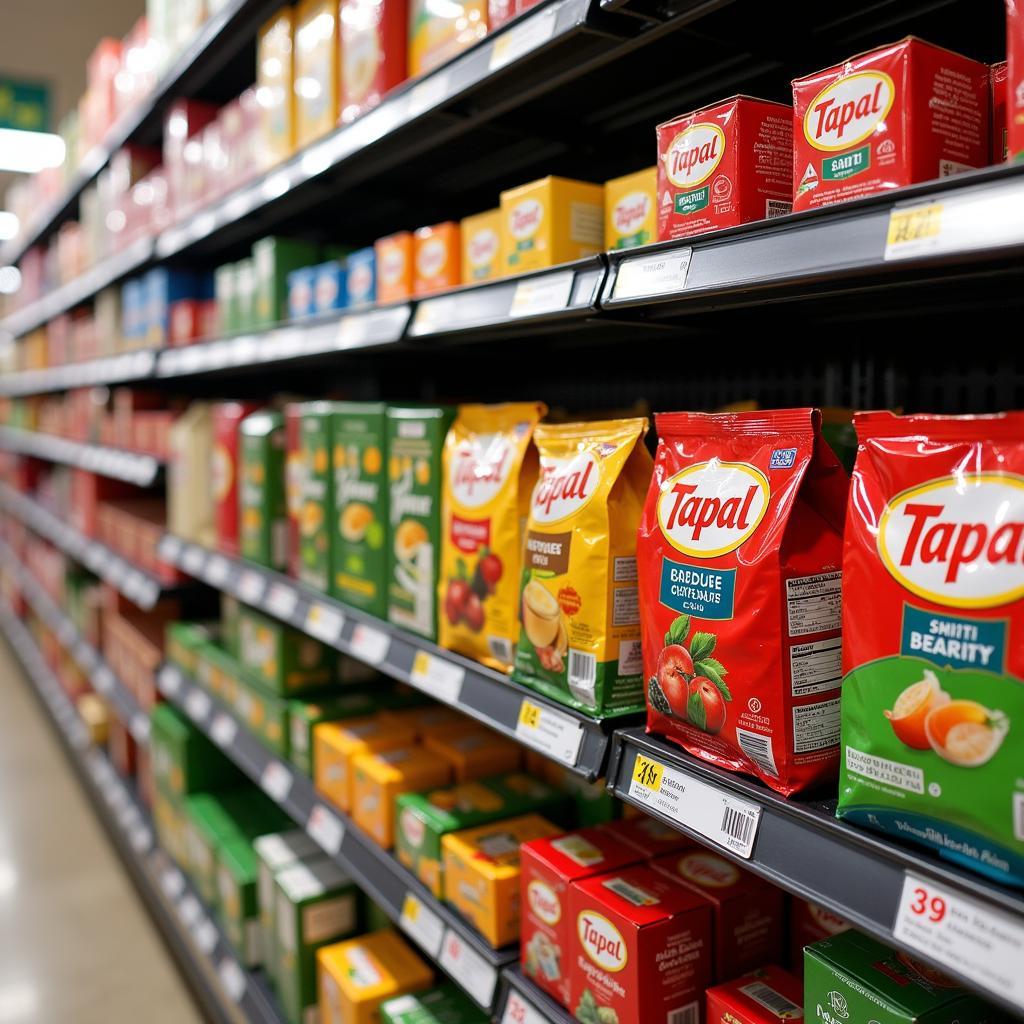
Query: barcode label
column 737, row 824
column 777, row 208
column 501, row 648
column 582, row 676
column 629, row 892
column 774, row 1002
column 759, row 749
column 688, row 1014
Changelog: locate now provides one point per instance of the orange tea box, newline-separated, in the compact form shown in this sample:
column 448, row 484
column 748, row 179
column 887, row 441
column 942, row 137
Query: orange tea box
column 894, row 116
column 438, row 32
column 1015, row 79
column 379, row 777
column 335, row 744
column 437, row 258
column 357, row 975
column 629, row 210
column 551, row 221
column 481, row 872
column 767, row 995
column 747, row 915
column 373, row 53
column 548, row 868
column 429, row 720
column 475, row 753
column 275, row 85
column 724, row 165
column 316, row 69
column 394, row 267
column 490, row 468
column 481, row 247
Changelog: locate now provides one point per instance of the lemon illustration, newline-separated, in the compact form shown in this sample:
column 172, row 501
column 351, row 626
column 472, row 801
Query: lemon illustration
column 372, row 460
column 320, row 460
column 912, row 707
column 394, row 467
column 422, row 472
column 966, row 733
column 339, row 456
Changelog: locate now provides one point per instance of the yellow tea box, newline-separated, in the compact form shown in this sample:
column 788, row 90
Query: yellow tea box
column 481, row 247
column 358, row 975
column 550, row 221
column 275, row 84
column 630, row 214
column 481, row 871
column 475, row 753
column 317, row 51
column 378, row 778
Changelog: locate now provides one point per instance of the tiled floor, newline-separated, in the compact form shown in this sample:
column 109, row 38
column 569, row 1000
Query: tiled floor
column 76, row 944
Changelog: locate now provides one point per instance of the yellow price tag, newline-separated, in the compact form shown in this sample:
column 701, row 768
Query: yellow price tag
column 529, row 715
column 913, row 224
column 421, row 664
column 410, row 907
column 647, row 772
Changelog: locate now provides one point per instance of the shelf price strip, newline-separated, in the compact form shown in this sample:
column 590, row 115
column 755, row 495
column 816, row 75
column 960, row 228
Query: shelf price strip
column 421, row 924
column 325, row 829
column 441, row 679
column 468, row 968
column 547, row 730
column 519, row 1011
column 724, row 819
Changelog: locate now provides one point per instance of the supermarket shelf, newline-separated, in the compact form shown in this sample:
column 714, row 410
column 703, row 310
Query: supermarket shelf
column 800, row 845
column 441, row 933
column 134, row 583
column 290, row 343
column 567, row 291
column 227, row 992
column 135, row 468
column 522, row 1002
column 960, row 223
column 108, row 370
column 491, row 697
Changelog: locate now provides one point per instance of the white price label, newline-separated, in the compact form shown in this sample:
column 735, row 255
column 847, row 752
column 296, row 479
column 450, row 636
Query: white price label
column 431, row 91
column 325, row 828
column 170, row 547
column 521, row 39
column 117, row 572
column 324, row 623
column 369, row 644
column 141, row 839
column 276, row 781
column 468, row 968
column 66, row 633
column 173, row 883
column 718, row 816
column 440, row 678
column 281, row 600
column 652, row 275
column 419, row 922
column 519, row 1011
column 192, row 561
column 224, row 730
column 140, row 728
column 232, row 977
column 197, row 704
column 217, row 570
column 103, row 680
column 189, row 910
column 250, row 586
column 353, row 331
column 556, row 734
column 205, row 935
column 980, row 942
column 544, row 294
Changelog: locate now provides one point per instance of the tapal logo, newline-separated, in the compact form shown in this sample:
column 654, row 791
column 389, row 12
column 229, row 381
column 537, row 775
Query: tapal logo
column 524, row 219
column 630, row 212
column 483, row 247
column 392, row 265
column 837, row 1001
column 431, row 258
column 711, row 508
column 847, row 111
column 564, row 486
column 478, row 469
column 601, row 941
column 544, row 902
column 708, row 869
column 694, row 154
column 958, row 540
column 827, row 920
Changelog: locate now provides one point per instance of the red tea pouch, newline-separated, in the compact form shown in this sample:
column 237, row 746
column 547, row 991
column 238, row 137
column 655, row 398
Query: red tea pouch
column 738, row 557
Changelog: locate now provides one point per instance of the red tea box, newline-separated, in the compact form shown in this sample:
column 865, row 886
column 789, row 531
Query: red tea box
column 224, row 471
column 641, row 948
column 724, row 165
column 547, row 868
column 810, row 922
column 900, row 114
column 763, row 996
column 1015, row 79
column 997, row 132
column 373, row 53
column 651, row 837
column 748, row 911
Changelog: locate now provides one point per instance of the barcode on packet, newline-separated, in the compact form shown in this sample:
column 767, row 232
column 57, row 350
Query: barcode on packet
column 501, row 648
column 774, row 1002
column 777, row 208
column 737, row 825
column 688, row 1014
column 582, row 669
column 759, row 749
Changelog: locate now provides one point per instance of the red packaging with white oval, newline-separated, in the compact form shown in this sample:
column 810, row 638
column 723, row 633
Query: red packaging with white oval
column 897, row 115
column 724, row 165
column 738, row 556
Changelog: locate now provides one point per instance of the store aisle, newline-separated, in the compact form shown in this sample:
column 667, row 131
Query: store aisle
column 78, row 945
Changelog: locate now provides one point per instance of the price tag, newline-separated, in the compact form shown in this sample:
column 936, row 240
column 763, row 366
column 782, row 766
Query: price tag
column 250, row 586
column 522, row 38
column 66, row 633
column 980, row 942
column 914, row 231
column 197, row 704
column 224, row 730
column 140, row 728
column 103, row 680
column 232, row 978
column 353, row 331
column 543, row 294
column 369, row 644
column 217, row 570
column 555, row 733
column 419, row 922
column 325, row 828
column 169, row 681
column 205, row 935
column 324, row 623
column 192, row 561
column 281, row 600
column 519, row 1011
column 652, row 275
column 468, row 968
column 431, row 91
column 173, row 883
column 189, row 910
column 710, row 812
column 141, row 839
column 440, row 678
column 276, row 781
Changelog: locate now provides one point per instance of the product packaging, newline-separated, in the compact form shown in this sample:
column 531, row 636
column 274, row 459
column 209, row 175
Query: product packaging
column 373, row 53
column 317, row 483
column 490, row 469
column 481, row 247
column 766, row 995
column 932, row 653
column 653, row 838
column 580, row 638
column 263, row 520
column 273, row 259
column 998, row 132
column 1015, row 79
column 227, row 417
column 330, row 287
column 300, row 292
column 284, row 659
column 437, row 34
column 275, row 85
column 437, row 258
column 630, row 209
column 237, row 871
column 362, row 278
column 394, row 264
column 475, row 753
column 809, row 922
column 305, row 715
column 317, row 49
column 447, row 1004
column 739, row 558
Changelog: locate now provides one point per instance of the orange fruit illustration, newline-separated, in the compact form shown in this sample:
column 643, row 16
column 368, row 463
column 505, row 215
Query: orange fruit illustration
column 965, row 733
column 912, row 707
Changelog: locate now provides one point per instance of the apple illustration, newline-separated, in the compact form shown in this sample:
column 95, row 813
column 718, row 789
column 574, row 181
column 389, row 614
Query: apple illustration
column 675, row 666
column 702, row 689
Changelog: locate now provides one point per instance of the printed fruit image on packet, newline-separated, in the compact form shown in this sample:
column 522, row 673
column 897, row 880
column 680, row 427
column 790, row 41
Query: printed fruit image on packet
column 490, row 468
column 933, row 662
column 739, row 566
column 580, row 637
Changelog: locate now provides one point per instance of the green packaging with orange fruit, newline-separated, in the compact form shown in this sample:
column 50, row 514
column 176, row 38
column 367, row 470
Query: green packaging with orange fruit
column 933, row 615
